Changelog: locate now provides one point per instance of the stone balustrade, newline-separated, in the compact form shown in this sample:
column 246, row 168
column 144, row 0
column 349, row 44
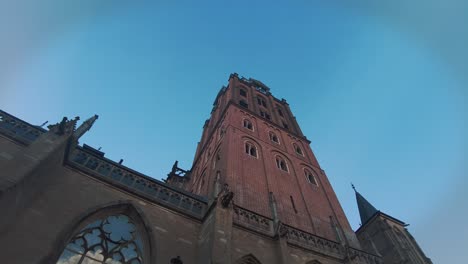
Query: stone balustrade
column 138, row 183
column 18, row 130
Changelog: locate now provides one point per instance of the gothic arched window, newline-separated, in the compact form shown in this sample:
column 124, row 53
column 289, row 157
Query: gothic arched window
column 310, row 177
column 281, row 164
column 109, row 239
column 250, row 149
column 298, row 149
column 273, row 137
column 247, row 124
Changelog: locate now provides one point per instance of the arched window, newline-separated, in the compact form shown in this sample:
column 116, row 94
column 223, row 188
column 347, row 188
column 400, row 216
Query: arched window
column 273, row 137
column 298, row 149
column 247, row 124
column 310, row 177
column 112, row 238
column 250, row 149
column 281, row 164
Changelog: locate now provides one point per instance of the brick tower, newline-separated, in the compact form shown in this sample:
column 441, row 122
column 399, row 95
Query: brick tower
column 253, row 146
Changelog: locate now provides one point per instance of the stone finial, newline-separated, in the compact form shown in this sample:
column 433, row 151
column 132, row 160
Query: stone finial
column 83, row 128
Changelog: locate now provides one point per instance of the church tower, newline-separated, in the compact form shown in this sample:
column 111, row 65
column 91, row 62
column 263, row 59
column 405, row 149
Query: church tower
column 253, row 146
column 387, row 236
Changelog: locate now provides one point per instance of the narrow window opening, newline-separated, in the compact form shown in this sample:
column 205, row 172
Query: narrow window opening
column 243, row 104
column 293, row 205
column 310, row 177
column 280, row 112
column 250, row 149
column 243, row 92
column 261, row 102
column 274, row 138
column 265, row 115
column 281, row 164
column 298, row 150
column 215, row 161
column 285, row 125
column 248, row 124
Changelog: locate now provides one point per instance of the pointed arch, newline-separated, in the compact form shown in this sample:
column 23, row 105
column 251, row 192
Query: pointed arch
column 248, row 259
column 114, row 231
column 311, row 176
column 273, row 137
column 247, row 123
column 314, row 262
column 298, row 149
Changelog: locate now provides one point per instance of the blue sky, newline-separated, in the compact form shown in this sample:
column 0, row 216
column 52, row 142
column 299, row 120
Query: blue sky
column 379, row 89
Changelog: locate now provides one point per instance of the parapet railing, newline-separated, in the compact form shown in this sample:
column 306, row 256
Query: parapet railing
column 18, row 130
column 296, row 237
column 138, row 183
column 253, row 221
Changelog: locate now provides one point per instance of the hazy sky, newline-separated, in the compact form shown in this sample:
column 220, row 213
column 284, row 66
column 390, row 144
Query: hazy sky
column 379, row 89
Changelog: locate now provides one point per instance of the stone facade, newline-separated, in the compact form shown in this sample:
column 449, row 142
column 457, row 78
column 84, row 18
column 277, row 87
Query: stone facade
column 67, row 203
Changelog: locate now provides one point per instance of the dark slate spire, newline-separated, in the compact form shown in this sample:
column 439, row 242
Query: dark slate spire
column 366, row 209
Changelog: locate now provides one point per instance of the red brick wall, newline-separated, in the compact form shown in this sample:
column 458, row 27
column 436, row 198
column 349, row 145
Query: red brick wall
column 252, row 179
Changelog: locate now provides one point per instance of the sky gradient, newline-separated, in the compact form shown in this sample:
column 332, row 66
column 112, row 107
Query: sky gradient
column 379, row 89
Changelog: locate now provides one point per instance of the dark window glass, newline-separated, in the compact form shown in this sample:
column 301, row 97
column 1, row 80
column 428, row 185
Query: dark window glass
column 261, row 101
column 250, row 149
column 243, row 92
column 273, row 137
column 298, row 150
column 310, row 178
column 281, row 164
column 285, row 125
column 248, row 124
column 243, row 104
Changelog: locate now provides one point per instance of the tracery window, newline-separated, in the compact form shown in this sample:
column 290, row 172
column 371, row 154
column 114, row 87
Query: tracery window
column 273, row 137
column 250, row 149
column 281, row 164
column 247, row 124
column 109, row 240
